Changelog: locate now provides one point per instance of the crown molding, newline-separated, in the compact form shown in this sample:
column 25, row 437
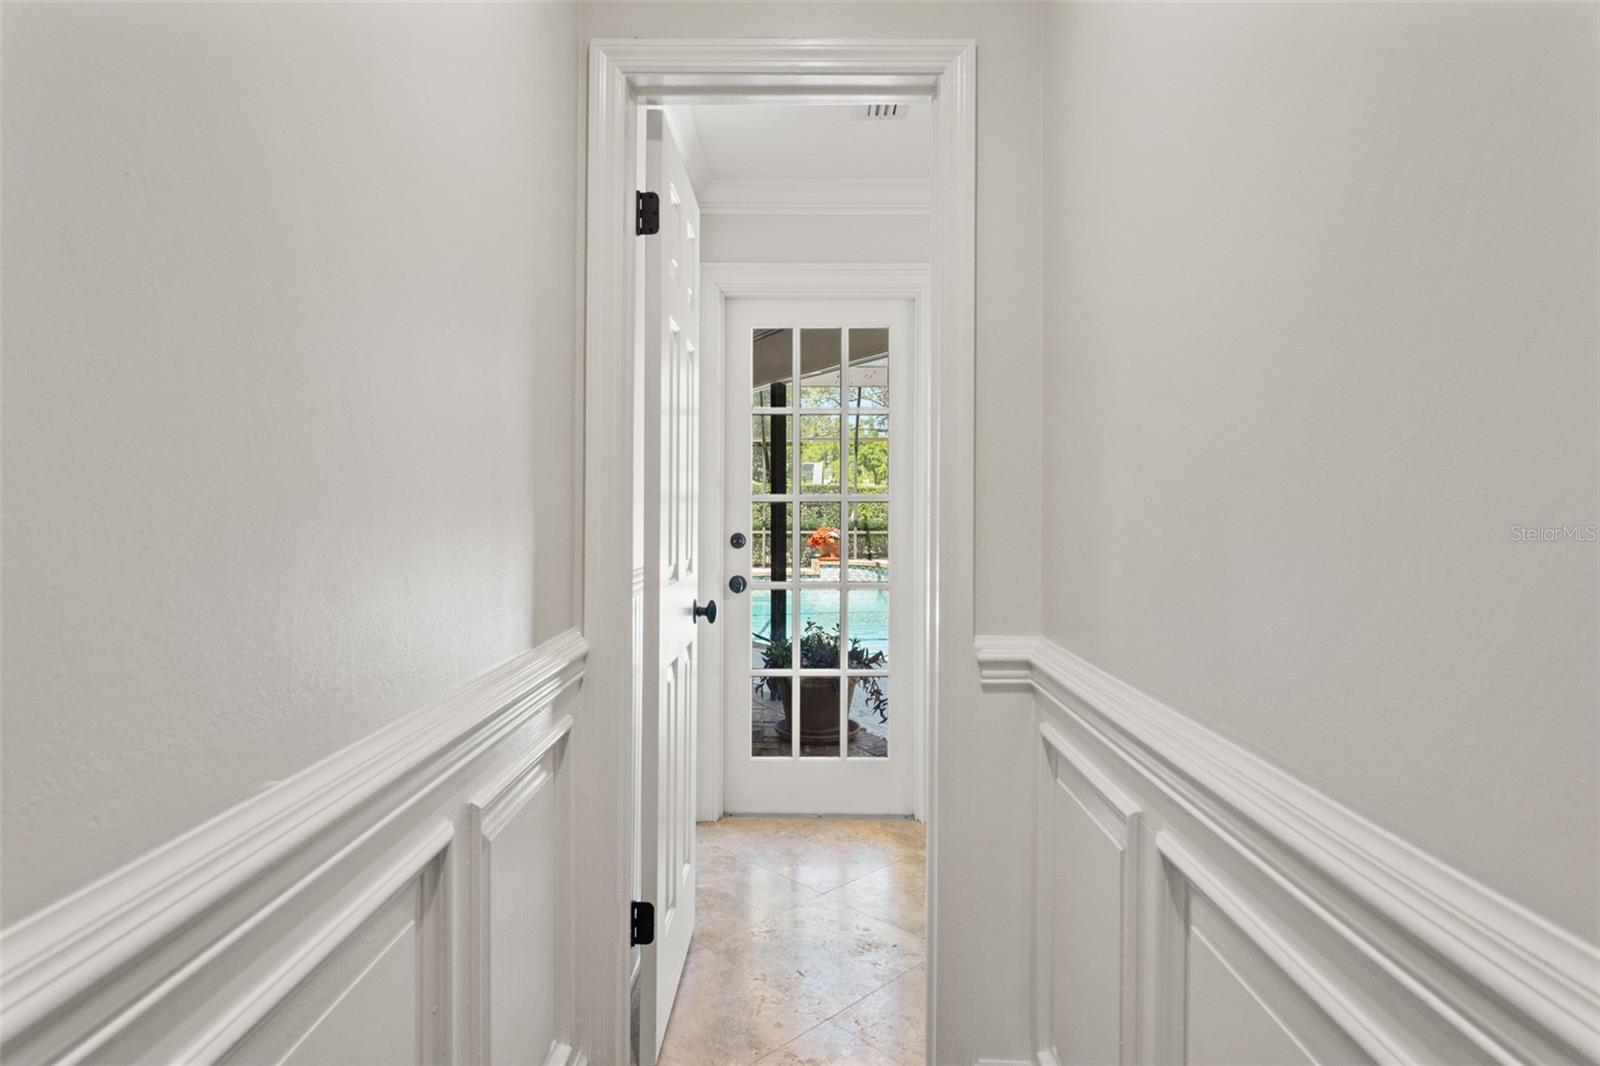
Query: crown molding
column 815, row 281
column 818, row 196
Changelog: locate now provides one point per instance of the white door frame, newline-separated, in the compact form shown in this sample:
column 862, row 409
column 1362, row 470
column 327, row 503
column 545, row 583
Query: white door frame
column 622, row 75
column 814, row 281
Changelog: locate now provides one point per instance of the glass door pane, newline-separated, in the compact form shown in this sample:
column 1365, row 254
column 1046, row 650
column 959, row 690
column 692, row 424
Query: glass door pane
column 819, row 640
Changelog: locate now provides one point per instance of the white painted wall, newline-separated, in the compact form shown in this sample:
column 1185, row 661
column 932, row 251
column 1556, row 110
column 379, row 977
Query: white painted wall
column 982, row 980
column 289, row 394
column 1320, row 330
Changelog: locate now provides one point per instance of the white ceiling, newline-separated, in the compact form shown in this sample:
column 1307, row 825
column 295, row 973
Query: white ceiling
column 762, row 142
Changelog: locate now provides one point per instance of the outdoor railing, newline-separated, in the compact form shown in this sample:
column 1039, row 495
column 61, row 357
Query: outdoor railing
column 864, row 544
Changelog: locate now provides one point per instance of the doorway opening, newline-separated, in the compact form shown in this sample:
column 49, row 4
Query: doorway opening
column 809, row 414
column 812, row 359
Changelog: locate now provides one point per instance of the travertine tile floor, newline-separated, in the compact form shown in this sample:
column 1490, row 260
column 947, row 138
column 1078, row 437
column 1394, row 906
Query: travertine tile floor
column 808, row 947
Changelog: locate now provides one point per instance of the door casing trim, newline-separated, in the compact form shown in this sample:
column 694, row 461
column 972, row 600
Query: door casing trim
column 623, row 74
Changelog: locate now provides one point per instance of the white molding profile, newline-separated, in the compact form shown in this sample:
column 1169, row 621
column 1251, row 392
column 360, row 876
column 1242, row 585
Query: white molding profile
column 488, row 814
column 816, row 281
column 425, row 859
column 1120, row 819
column 818, row 196
column 623, row 74
column 178, row 954
column 686, row 132
column 1398, row 955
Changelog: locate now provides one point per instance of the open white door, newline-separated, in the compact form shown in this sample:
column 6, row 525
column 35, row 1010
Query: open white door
column 671, row 437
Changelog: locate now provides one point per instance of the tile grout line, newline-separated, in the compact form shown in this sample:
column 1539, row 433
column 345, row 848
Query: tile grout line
column 923, row 936
column 835, row 888
column 828, row 1021
column 842, row 1010
column 866, row 997
column 716, row 948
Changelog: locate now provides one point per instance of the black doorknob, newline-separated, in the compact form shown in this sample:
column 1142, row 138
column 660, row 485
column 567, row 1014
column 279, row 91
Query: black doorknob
column 708, row 612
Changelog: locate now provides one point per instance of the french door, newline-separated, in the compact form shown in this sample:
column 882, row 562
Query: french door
column 815, row 521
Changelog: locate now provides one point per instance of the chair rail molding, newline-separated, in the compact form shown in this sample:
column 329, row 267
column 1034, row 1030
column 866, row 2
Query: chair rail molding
column 246, row 932
column 1352, row 942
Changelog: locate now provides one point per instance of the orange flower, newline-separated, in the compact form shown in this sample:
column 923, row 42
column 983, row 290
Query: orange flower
column 823, row 535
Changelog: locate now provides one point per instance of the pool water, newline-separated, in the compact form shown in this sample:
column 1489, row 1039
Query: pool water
column 869, row 614
column 858, row 572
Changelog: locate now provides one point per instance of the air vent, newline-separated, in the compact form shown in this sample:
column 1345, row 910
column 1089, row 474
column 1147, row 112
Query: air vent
column 884, row 111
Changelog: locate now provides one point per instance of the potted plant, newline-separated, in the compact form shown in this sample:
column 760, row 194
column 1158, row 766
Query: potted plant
column 819, row 650
column 826, row 541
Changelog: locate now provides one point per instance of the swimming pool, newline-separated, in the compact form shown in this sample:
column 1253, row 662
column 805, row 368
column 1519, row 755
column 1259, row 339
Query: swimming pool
column 868, row 621
column 858, row 572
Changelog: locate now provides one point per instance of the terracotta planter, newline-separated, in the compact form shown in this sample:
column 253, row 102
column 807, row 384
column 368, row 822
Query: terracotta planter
column 829, row 552
column 820, row 697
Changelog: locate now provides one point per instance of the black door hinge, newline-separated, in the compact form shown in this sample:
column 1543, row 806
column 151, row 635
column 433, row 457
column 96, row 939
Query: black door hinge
column 643, row 926
column 647, row 216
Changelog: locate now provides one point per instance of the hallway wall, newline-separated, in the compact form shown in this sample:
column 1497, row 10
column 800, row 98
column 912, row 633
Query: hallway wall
column 1320, row 334
column 289, row 394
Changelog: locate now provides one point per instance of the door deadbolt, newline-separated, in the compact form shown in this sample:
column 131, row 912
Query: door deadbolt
column 736, row 583
column 737, row 540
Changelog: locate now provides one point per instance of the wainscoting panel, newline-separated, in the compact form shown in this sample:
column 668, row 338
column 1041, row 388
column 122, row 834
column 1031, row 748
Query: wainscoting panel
column 1241, row 1004
column 407, row 900
column 1196, row 904
column 1226, row 1022
column 374, row 996
column 1088, row 869
column 521, row 943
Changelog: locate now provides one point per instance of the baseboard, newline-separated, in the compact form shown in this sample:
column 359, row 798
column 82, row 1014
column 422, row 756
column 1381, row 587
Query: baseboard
column 1348, row 937
column 183, row 952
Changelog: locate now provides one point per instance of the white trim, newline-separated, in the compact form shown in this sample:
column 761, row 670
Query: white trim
column 793, row 70
column 686, row 134
column 1370, row 1035
column 605, row 784
column 627, row 72
column 267, row 994
column 817, row 281
column 1122, row 819
column 1506, row 982
column 488, row 812
column 830, row 196
column 97, row 963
